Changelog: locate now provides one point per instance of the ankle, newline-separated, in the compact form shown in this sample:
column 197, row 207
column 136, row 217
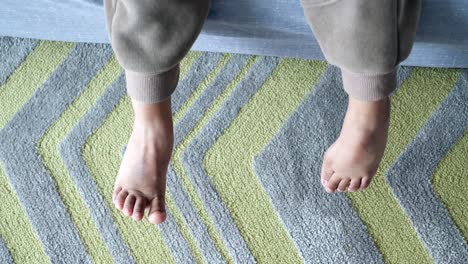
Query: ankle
column 368, row 115
column 150, row 115
column 369, row 109
column 153, row 136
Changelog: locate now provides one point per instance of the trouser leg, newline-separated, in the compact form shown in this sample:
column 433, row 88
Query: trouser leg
column 367, row 39
column 150, row 38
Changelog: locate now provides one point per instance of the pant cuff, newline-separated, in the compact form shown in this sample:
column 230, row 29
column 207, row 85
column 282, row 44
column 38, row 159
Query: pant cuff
column 369, row 87
column 151, row 88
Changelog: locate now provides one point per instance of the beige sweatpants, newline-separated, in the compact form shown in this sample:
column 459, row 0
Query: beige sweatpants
column 366, row 39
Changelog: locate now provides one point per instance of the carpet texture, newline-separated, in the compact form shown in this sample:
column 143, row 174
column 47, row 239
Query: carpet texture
column 243, row 183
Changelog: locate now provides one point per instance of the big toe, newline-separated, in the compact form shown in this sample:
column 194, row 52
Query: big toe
column 326, row 171
column 157, row 213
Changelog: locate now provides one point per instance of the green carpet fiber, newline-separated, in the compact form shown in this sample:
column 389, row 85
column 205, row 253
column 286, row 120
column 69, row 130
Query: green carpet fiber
column 243, row 182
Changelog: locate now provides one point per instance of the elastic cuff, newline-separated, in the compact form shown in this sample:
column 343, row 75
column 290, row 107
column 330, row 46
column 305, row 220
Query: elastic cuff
column 369, row 87
column 152, row 88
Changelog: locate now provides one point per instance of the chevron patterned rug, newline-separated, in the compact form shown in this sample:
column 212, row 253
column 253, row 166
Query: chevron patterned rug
column 243, row 184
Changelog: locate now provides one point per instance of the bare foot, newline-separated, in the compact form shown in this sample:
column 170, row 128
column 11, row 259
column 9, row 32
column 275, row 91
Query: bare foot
column 141, row 180
column 353, row 159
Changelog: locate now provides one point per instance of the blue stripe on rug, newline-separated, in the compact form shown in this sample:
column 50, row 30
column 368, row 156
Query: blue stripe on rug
column 202, row 66
column 175, row 241
column 192, row 158
column 12, row 53
column 70, row 151
column 18, row 140
column 410, row 177
column 324, row 227
column 5, row 255
column 186, row 123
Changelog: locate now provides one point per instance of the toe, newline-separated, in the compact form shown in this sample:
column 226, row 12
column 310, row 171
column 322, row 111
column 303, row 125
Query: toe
column 354, row 185
column 157, row 213
column 129, row 204
column 365, row 182
column 116, row 192
column 139, row 208
column 332, row 184
column 343, row 186
column 120, row 199
column 326, row 171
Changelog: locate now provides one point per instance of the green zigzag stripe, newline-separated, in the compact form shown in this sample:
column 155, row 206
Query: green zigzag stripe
column 409, row 177
column 95, row 163
column 25, row 248
column 48, row 149
column 198, row 228
column 104, row 167
column 231, row 170
column 450, row 184
column 38, row 195
column 234, row 69
column 30, row 75
column 13, row 52
column 192, row 159
column 324, row 227
column 397, row 239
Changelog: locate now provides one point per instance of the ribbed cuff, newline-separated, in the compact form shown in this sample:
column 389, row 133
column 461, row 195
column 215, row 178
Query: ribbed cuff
column 369, row 87
column 152, row 88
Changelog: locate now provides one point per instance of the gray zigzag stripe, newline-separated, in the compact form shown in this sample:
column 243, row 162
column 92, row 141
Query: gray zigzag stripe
column 12, row 53
column 410, row 177
column 186, row 123
column 175, row 240
column 403, row 73
column 18, row 139
column 202, row 66
column 324, row 227
column 5, row 256
column 184, row 126
column 198, row 71
column 192, row 158
column 70, row 151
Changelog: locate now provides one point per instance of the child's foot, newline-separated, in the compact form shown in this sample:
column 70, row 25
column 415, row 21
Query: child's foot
column 141, row 180
column 353, row 159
